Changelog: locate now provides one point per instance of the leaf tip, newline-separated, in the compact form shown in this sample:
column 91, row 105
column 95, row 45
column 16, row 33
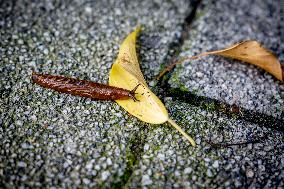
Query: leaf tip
column 138, row 28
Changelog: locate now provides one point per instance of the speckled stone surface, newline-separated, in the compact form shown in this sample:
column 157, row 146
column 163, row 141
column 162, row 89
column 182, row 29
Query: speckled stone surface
column 52, row 140
column 56, row 140
column 169, row 162
column 223, row 23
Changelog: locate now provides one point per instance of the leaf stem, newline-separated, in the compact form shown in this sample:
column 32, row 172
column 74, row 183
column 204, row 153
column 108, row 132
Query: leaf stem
column 182, row 132
column 180, row 61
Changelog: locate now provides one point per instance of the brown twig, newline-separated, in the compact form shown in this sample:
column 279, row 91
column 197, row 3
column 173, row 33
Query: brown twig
column 282, row 67
column 225, row 145
column 180, row 61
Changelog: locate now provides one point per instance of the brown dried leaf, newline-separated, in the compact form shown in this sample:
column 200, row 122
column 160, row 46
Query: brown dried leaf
column 248, row 51
column 252, row 52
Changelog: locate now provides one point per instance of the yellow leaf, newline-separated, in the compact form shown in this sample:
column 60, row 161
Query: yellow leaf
column 149, row 108
column 125, row 73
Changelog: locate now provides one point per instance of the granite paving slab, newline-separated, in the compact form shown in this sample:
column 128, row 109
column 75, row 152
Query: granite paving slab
column 52, row 140
column 56, row 140
column 168, row 161
column 220, row 24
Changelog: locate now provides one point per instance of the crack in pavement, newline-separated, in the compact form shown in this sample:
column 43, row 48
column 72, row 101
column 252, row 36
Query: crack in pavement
column 133, row 154
column 241, row 113
column 135, row 150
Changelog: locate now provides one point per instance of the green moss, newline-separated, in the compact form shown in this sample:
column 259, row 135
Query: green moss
column 162, row 67
column 200, row 14
column 195, row 92
column 175, row 76
column 183, row 88
column 156, row 148
column 131, row 161
column 210, row 106
column 130, row 158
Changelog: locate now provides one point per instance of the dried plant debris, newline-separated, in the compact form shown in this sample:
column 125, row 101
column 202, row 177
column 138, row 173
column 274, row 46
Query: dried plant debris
column 125, row 73
column 248, row 51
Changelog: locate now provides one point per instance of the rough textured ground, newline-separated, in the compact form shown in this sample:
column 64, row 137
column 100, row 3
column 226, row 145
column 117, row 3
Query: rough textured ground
column 220, row 25
column 55, row 140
